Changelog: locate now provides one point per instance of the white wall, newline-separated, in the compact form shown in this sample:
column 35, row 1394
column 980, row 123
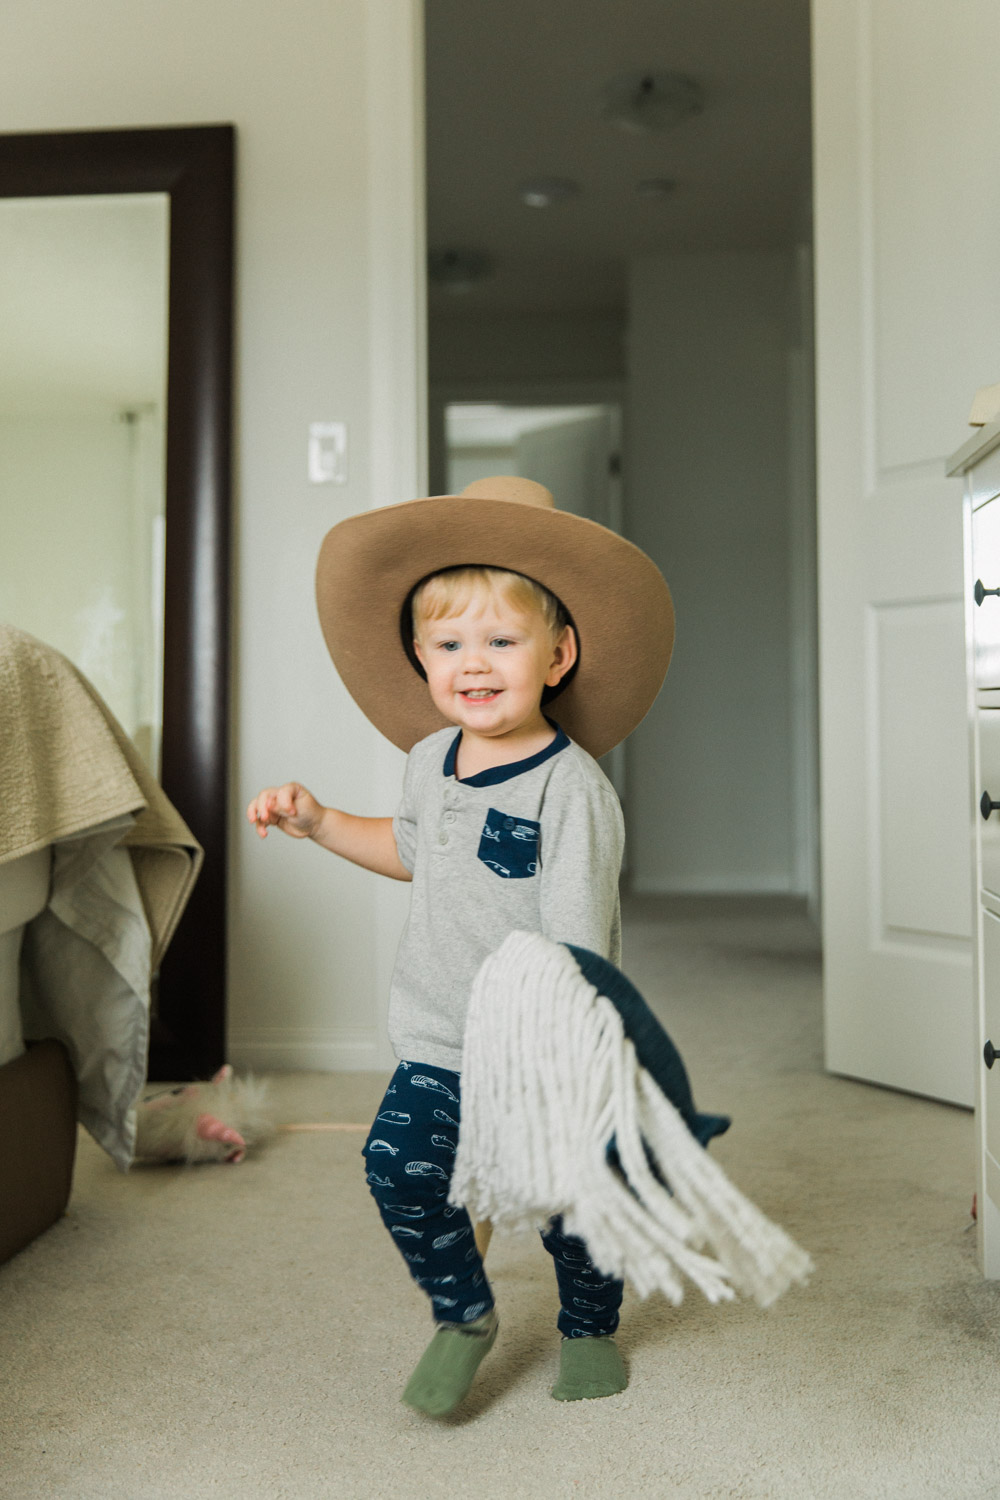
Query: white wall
column 321, row 93
column 711, row 773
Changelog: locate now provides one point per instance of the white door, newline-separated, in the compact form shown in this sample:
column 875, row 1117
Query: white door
column 908, row 326
column 577, row 461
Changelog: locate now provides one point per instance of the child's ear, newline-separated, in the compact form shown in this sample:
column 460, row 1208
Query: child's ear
column 418, row 653
column 563, row 657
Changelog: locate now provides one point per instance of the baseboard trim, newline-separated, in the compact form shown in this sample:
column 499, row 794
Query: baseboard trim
column 701, row 885
column 307, row 1050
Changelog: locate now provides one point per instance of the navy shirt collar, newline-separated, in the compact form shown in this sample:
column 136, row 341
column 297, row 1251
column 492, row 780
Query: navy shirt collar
column 496, row 774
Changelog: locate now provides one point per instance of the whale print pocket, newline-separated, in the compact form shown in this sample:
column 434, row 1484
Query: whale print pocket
column 509, row 845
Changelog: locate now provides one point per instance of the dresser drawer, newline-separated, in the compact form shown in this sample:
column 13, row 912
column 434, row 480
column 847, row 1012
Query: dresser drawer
column 991, row 1018
column 986, row 616
column 988, row 720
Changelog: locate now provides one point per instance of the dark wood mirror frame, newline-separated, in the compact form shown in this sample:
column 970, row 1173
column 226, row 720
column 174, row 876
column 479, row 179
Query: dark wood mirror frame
column 194, row 166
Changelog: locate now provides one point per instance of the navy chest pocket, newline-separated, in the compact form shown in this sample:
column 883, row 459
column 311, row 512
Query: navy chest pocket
column 509, row 845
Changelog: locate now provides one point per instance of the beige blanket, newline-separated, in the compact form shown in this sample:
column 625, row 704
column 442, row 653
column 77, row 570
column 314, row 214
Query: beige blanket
column 66, row 765
column 124, row 865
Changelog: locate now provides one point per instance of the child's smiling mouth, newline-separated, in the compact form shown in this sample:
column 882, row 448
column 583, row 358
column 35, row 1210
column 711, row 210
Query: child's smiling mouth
column 480, row 695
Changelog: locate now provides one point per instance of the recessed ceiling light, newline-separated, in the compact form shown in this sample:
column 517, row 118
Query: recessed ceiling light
column 656, row 187
column 542, row 192
column 642, row 102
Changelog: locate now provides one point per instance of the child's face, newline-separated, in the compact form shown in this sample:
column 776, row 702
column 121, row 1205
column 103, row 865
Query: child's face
column 487, row 665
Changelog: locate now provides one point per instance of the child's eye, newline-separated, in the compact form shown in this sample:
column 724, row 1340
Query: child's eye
column 501, row 640
column 447, row 645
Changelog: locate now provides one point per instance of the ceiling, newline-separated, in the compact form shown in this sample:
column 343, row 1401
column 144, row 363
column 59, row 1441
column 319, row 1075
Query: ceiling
column 514, row 92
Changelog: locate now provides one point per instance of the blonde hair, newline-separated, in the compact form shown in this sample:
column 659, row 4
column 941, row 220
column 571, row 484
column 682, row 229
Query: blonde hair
column 450, row 591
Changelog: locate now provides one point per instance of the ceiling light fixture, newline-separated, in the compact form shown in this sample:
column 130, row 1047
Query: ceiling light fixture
column 642, row 102
column 543, row 192
column 458, row 270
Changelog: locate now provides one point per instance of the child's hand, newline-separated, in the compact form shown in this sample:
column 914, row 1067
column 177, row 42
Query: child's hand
column 291, row 808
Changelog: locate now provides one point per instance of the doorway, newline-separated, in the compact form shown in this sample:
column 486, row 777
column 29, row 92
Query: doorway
column 575, row 451
column 618, row 215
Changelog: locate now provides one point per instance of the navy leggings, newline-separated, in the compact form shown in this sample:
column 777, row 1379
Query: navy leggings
column 409, row 1155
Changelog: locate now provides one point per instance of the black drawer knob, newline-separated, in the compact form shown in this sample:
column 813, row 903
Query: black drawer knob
column 987, row 805
column 981, row 593
column 990, row 1054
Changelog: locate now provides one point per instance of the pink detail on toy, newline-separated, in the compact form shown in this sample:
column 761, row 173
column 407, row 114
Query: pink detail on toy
column 211, row 1129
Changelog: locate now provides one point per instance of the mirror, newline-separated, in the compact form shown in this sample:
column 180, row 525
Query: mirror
column 83, row 366
column 102, row 211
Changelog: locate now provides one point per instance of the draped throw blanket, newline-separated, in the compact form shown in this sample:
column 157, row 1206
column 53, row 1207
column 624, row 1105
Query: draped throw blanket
column 123, row 865
column 560, row 1116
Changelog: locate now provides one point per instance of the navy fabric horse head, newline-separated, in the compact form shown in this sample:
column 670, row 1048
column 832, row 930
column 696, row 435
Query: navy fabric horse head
column 654, row 1048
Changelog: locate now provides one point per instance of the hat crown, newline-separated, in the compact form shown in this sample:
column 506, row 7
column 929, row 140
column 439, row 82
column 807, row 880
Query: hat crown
column 510, row 487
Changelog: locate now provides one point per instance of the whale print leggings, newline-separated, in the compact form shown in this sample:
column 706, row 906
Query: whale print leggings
column 409, row 1155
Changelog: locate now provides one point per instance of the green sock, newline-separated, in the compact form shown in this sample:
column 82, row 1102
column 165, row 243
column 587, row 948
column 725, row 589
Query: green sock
column 588, row 1368
column 448, row 1365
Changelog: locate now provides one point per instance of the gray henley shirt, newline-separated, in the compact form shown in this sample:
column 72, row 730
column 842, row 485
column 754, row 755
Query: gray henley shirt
column 535, row 846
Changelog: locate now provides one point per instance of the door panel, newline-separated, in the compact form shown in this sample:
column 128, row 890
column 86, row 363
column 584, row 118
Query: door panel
column 908, row 321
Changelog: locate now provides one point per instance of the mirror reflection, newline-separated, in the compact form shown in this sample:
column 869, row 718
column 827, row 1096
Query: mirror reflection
column 83, row 345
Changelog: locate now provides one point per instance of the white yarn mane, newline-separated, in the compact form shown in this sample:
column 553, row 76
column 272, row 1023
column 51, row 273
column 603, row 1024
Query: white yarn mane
column 548, row 1077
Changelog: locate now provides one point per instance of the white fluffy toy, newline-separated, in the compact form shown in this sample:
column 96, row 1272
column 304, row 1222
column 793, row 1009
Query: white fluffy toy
column 215, row 1121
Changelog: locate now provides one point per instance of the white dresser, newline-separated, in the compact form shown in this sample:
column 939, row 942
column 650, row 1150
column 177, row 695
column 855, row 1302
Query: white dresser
column 978, row 461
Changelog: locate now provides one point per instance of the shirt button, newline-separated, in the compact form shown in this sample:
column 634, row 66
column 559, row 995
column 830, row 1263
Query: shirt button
column 449, row 817
column 508, row 822
column 442, row 838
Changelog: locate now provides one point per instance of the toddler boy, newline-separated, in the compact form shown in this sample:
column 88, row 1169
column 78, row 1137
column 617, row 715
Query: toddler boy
column 508, row 824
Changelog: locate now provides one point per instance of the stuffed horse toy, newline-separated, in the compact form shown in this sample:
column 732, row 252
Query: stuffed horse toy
column 576, row 1102
column 214, row 1121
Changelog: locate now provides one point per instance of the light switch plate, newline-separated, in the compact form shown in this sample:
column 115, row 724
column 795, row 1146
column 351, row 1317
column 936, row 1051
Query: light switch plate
column 328, row 452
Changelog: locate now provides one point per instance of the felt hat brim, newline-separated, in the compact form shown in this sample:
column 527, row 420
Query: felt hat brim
column 617, row 597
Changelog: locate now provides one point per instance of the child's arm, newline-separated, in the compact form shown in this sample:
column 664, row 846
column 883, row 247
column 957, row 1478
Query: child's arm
column 364, row 841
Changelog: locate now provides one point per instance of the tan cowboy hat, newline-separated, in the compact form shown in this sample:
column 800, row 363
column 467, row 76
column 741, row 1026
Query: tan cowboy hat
column 617, row 598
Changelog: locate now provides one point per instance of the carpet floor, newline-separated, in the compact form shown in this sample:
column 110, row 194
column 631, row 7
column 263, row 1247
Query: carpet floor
column 244, row 1332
